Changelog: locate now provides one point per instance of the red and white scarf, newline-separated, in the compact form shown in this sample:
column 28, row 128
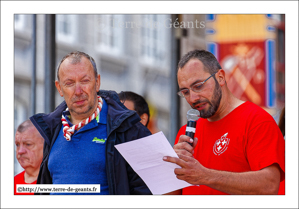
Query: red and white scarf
column 69, row 131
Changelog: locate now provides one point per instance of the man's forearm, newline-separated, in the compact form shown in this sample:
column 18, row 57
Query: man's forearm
column 265, row 181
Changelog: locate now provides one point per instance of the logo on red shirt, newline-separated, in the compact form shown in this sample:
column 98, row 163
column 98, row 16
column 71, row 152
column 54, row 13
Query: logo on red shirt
column 221, row 145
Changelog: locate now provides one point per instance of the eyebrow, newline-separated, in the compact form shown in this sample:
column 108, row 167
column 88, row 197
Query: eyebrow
column 70, row 79
column 25, row 141
column 197, row 81
column 85, row 76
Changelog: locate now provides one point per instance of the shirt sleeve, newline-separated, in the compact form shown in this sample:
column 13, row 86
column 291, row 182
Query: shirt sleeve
column 266, row 146
column 181, row 132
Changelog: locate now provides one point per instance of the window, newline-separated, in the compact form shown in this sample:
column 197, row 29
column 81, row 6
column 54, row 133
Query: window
column 66, row 28
column 19, row 21
column 109, row 35
column 154, row 38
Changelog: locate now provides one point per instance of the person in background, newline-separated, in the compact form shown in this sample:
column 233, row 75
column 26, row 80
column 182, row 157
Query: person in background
column 281, row 125
column 134, row 101
column 81, row 133
column 238, row 147
column 29, row 144
column 281, row 122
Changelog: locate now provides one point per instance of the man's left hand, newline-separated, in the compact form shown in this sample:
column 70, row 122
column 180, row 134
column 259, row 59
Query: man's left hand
column 191, row 170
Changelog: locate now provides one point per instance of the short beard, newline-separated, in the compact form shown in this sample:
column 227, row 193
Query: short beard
column 81, row 113
column 214, row 103
column 90, row 107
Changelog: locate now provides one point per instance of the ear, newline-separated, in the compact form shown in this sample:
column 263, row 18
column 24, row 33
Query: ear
column 220, row 76
column 144, row 119
column 98, row 82
column 58, row 88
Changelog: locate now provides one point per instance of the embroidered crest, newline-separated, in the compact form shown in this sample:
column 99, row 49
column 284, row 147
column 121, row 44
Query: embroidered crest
column 221, row 145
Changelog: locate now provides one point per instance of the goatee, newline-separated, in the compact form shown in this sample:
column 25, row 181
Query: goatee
column 214, row 103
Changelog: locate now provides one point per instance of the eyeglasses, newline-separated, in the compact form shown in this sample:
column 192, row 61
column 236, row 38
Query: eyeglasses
column 197, row 87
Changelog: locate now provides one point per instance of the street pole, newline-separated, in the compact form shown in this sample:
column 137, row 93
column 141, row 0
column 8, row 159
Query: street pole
column 33, row 80
column 175, row 101
column 50, row 59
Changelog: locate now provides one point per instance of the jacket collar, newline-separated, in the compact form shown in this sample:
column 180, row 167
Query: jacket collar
column 118, row 117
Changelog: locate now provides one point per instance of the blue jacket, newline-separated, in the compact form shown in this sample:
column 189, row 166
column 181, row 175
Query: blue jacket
column 122, row 126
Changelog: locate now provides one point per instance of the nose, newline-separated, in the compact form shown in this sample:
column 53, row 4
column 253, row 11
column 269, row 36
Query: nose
column 78, row 89
column 193, row 96
column 21, row 150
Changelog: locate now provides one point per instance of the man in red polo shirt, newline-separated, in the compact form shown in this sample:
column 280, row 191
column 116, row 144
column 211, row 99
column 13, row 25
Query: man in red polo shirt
column 238, row 147
column 29, row 153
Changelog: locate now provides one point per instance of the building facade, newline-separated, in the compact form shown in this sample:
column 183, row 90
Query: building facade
column 132, row 53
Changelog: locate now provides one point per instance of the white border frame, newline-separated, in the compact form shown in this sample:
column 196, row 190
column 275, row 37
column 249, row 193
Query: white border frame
column 290, row 8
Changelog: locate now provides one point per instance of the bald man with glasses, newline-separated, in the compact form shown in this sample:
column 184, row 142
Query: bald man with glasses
column 238, row 147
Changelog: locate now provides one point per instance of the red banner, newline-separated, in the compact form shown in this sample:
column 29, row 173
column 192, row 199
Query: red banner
column 244, row 64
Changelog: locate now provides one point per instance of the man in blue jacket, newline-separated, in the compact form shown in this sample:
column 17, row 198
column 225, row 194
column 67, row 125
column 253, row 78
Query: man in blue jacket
column 81, row 132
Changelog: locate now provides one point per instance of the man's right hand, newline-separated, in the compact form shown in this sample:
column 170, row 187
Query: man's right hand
column 183, row 147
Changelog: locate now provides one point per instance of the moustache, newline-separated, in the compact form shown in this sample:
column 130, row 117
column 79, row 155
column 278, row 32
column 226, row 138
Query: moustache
column 76, row 98
column 21, row 157
column 200, row 101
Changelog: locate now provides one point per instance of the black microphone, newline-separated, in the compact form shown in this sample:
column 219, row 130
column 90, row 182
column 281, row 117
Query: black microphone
column 192, row 117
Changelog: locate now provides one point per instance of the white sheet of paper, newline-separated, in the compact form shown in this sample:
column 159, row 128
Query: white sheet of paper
column 145, row 156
